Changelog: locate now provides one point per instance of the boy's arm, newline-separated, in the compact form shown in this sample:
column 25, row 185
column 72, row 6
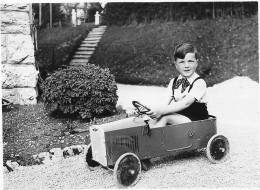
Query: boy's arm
column 178, row 106
column 199, row 88
column 172, row 108
column 168, row 94
column 196, row 93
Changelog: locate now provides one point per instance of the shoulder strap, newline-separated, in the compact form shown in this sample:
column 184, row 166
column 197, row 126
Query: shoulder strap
column 173, row 84
column 193, row 83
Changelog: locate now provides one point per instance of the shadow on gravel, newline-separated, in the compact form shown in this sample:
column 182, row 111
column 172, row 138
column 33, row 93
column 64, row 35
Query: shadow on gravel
column 178, row 157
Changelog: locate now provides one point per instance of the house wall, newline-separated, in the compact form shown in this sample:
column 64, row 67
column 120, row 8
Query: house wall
column 18, row 71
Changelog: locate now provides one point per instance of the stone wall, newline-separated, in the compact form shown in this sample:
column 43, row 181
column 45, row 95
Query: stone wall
column 19, row 74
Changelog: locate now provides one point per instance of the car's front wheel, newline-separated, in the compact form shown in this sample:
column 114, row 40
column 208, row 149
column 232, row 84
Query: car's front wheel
column 127, row 170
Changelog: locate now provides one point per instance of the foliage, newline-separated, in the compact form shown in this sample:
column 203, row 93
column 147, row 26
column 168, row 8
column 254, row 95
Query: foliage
column 93, row 8
column 57, row 14
column 142, row 54
column 55, row 36
column 84, row 91
column 127, row 13
column 56, row 46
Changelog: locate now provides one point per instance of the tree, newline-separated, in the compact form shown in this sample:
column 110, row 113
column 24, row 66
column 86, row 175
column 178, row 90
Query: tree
column 57, row 13
column 91, row 11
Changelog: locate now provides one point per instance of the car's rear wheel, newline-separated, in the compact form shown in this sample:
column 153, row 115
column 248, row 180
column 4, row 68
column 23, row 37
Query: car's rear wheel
column 91, row 164
column 127, row 170
column 218, row 149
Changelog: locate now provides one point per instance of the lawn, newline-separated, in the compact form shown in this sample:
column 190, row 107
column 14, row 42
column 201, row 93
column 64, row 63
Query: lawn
column 55, row 36
column 142, row 54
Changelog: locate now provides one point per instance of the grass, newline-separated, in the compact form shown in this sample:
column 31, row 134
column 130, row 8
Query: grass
column 55, row 36
column 56, row 46
column 142, row 54
column 29, row 130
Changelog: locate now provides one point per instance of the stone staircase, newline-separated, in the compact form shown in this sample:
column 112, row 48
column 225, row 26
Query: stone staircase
column 88, row 46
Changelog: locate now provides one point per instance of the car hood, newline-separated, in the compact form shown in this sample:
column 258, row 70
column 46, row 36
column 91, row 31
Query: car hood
column 121, row 124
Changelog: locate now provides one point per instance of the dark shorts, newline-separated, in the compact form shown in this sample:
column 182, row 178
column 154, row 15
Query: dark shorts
column 196, row 111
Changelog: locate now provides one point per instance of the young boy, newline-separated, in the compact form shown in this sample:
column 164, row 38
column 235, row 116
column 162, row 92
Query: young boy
column 187, row 99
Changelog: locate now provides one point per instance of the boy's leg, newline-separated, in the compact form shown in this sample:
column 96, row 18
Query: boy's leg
column 172, row 119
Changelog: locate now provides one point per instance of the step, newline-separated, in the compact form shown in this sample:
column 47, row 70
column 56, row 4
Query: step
column 78, row 64
column 99, row 29
column 90, row 42
column 79, row 61
column 88, row 45
column 84, row 52
column 91, row 39
column 94, row 37
column 86, row 49
column 97, row 37
column 81, row 56
column 96, row 33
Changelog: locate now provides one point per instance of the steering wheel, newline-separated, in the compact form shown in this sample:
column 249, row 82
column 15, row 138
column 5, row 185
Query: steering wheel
column 141, row 108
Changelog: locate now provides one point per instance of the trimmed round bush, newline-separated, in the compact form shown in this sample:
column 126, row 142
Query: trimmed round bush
column 84, row 91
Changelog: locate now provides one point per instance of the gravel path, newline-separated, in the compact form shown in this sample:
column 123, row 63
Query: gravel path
column 236, row 104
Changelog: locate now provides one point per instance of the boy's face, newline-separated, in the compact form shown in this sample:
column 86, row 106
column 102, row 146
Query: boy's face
column 187, row 66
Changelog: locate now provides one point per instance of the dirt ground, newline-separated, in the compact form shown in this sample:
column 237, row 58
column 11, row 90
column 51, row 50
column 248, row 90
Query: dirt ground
column 235, row 103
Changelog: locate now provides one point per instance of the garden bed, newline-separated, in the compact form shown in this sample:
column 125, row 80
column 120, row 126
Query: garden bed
column 29, row 130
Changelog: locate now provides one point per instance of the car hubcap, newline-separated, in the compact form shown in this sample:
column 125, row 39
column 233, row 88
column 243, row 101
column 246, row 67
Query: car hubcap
column 218, row 149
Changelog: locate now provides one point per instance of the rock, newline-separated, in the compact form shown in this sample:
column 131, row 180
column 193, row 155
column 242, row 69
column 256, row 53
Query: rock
column 22, row 96
column 19, row 49
column 13, row 165
column 76, row 149
column 5, row 170
column 84, row 146
column 45, row 156
column 67, row 151
column 3, row 49
column 56, row 154
column 15, row 76
column 14, row 22
column 35, row 156
column 15, row 7
column 17, row 54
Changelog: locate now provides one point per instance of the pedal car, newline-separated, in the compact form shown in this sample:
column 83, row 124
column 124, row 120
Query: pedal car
column 123, row 145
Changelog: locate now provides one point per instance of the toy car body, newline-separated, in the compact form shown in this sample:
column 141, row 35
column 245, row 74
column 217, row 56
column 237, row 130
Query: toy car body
column 123, row 144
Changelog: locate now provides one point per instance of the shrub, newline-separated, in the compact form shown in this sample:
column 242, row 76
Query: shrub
column 84, row 91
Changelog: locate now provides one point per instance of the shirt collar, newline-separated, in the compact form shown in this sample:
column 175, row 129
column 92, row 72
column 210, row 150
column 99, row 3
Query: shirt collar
column 191, row 78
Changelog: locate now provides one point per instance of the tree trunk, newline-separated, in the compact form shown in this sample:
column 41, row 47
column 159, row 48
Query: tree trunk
column 50, row 15
column 40, row 14
column 242, row 8
column 213, row 11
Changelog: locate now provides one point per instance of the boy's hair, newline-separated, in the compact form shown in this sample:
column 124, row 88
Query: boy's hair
column 182, row 49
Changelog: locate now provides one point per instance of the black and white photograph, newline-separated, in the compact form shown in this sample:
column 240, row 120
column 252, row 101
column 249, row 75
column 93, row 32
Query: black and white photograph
column 129, row 94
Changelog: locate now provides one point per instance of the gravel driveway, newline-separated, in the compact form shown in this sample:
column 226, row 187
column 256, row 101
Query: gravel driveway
column 235, row 103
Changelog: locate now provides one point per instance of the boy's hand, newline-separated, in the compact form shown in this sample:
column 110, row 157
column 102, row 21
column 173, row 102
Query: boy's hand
column 155, row 113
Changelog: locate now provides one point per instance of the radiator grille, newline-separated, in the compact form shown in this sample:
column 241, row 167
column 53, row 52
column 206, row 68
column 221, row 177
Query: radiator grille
column 130, row 142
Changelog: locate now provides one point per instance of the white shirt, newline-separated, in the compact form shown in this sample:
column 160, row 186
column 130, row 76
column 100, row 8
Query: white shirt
column 198, row 91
